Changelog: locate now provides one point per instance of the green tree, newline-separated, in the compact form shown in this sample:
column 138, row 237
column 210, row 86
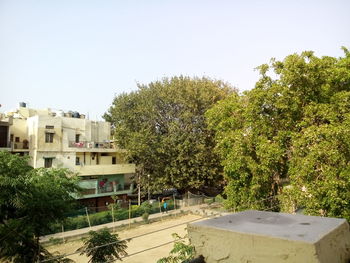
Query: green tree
column 163, row 128
column 181, row 252
column 288, row 136
column 102, row 246
column 320, row 165
column 30, row 200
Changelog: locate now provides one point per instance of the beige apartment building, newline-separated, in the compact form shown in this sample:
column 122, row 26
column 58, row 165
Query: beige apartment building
column 69, row 140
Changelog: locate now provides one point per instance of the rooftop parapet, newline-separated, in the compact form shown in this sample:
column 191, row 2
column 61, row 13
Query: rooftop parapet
column 257, row 236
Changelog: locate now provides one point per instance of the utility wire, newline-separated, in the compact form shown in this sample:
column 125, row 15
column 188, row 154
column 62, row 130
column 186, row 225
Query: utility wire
column 126, row 239
column 147, row 249
column 152, row 232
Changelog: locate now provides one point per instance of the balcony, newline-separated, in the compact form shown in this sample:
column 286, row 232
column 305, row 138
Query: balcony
column 6, row 146
column 86, row 170
column 20, row 146
column 90, row 145
column 87, row 146
column 92, row 188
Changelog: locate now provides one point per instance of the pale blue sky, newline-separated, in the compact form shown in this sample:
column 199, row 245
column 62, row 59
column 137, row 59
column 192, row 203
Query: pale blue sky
column 76, row 55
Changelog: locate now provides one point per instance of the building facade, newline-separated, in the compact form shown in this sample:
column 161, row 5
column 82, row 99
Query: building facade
column 69, row 140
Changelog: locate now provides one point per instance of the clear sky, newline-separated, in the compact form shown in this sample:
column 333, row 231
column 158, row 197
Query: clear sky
column 77, row 55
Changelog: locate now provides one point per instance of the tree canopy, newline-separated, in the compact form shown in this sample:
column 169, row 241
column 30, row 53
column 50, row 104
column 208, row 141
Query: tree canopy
column 163, row 128
column 289, row 136
column 30, row 201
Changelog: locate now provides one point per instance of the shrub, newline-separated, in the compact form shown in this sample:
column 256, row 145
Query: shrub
column 146, row 207
column 219, row 199
column 55, row 241
column 102, row 246
column 100, row 218
column 145, row 217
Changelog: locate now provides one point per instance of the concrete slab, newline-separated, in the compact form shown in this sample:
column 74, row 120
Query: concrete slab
column 280, row 225
column 258, row 236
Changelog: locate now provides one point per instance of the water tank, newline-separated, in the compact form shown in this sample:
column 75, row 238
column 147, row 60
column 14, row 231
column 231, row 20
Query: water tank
column 22, row 104
column 76, row 114
column 60, row 113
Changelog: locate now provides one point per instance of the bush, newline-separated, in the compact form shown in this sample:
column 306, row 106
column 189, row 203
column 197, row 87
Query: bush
column 209, row 201
column 219, row 199
column 100, row 218
column 121, row 214
column 145, row 217
column 146, row 207
column 102, row 246
column 55, row 241
column 77, row 222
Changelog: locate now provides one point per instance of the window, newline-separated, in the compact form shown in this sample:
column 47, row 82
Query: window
column 16, row 139
column 49, row 127
column 77, row 137
column 49, row 137
column 48, row 162
column 11, row 138
column 77, row 161
column 114, row 160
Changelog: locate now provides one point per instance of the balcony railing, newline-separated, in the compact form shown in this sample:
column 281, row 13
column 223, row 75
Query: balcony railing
column 5, row 145
column 91, row 145
column 92, row 188
column 102, row 169
column 20, row 145
column 15, row 146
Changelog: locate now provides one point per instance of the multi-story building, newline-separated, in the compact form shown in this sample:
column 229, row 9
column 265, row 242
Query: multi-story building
column 69, row 140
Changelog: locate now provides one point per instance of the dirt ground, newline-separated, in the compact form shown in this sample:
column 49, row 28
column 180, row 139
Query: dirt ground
column 139, row 243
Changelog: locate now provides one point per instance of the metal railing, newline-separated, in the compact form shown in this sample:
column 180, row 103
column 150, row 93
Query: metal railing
column 5, row 145
column 92, row 187
column 15, row 145
column 87, row 144
column 20, row 145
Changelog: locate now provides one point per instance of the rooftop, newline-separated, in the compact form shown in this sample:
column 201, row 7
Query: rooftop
column 296, row 227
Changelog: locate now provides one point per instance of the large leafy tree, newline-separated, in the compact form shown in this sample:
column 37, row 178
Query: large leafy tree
column 30, row 201
column 163, row 128
column 289, row 136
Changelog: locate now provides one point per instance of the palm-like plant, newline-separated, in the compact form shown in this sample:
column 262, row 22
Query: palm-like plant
column 102, row 246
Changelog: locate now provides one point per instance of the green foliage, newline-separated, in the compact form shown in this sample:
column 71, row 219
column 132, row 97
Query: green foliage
column 292, row 130
column 219, row 199
column 30, row 200
column 146, row 207
column 145, row 217
column 13, row 175
column 181, row 252
column 77, row 222
column 56, row 241
column 102, row 246
column 162, row 125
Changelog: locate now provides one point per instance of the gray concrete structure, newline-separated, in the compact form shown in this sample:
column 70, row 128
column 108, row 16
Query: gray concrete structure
column 257, row 236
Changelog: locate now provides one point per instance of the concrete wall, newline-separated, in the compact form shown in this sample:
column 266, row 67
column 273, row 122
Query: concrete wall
column 265, row 237
column 19, row 129
column 106, row 160
column 73, row 126
column 88, row 170
column 100, row 131
column 61, row 159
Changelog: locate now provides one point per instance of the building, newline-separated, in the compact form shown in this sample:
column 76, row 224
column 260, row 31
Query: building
column 69, row 140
